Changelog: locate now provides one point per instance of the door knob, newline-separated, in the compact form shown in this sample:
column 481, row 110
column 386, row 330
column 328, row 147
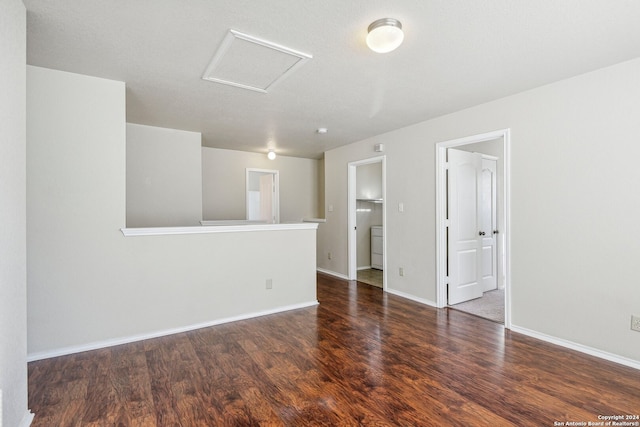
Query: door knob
column 495, row 231
column 481, row 233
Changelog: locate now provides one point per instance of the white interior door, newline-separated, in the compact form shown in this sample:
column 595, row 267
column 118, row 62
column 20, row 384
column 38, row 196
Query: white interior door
column 465, row 239
column 266, row 198
column 488, row 224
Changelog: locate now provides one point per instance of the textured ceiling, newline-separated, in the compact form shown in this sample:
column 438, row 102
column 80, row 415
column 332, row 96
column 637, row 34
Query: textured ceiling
column 456, row 54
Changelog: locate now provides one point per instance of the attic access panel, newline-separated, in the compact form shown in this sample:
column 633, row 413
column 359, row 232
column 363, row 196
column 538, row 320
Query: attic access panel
column 251, row 63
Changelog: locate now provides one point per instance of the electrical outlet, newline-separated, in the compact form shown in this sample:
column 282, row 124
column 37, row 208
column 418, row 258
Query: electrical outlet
column 329, row 255
column 401, row 271
column 635, row 323
column 269, row 283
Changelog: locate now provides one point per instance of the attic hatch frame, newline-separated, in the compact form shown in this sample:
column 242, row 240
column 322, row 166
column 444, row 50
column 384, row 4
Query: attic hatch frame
column 227, row 42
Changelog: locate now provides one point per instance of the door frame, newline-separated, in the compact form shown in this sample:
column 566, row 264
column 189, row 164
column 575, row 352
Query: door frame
column 352, row 220
column 276, row 183
column 441, row 213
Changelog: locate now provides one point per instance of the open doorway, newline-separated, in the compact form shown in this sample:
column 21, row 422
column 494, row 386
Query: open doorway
column 473, row 225
column 263, row 196
column 367, row 241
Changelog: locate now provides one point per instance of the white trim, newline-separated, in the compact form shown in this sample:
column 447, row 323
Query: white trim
column 489, row 157
column 441, row 209
column 332, row 273
column 226, row 44
column 441, row 227
column 318, row 220
column 506, row 191
column 578, row 347
column 351, row 221
column 230, row 222
column 366, row 267
column 26, row 419
column 164, row 231
column 412, row 298
column 125, row 340
column 390, row 291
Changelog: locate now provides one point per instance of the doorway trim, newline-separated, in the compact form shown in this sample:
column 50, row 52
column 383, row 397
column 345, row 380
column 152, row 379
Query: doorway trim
column 276, row 183
column 441, row 213
column 351, row 221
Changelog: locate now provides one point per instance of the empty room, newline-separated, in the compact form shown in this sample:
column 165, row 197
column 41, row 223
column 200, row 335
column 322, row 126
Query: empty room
column 339, row 213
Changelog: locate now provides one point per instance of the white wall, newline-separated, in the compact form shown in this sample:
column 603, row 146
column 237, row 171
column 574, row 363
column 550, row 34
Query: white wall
column 75, row 208
column 574, row 205
column 88, row 285
column 224, row 184
column 164, row 177
column 369, row 181
column 13, row 278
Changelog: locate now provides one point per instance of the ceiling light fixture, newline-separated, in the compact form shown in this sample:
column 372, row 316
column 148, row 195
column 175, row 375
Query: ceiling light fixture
column 322, row 130
column 384, row 35
column 271, row 155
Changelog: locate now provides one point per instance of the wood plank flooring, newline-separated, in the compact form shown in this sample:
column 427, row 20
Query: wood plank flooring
column 360, row 358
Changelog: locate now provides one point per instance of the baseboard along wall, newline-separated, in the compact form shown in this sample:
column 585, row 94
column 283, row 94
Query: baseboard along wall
column 125, row 340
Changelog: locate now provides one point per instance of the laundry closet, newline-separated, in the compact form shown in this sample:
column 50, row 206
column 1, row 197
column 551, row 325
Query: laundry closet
column 369, row 229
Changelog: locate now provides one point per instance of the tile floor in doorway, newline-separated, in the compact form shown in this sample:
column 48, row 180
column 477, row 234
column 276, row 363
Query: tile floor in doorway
column 371, row 277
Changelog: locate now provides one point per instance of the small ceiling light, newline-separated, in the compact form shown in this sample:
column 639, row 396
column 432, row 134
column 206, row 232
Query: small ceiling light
column 384, row 35
column 271, row 155
column 322, row 130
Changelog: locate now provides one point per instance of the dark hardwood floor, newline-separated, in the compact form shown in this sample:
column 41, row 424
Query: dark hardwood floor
column 361, row 358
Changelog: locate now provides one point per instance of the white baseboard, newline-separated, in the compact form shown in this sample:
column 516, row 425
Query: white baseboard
column 578, row 347
column 333, row 273
column 391, row 291
column 26, row 419
column 125, row 340
column 366, row 267
column 412, row 297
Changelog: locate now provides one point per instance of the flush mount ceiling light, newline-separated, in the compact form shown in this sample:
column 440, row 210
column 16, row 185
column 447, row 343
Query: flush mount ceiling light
column 271, row 155
column 384, row 35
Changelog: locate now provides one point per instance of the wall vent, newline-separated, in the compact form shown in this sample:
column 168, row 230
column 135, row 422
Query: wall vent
column 251, row 63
